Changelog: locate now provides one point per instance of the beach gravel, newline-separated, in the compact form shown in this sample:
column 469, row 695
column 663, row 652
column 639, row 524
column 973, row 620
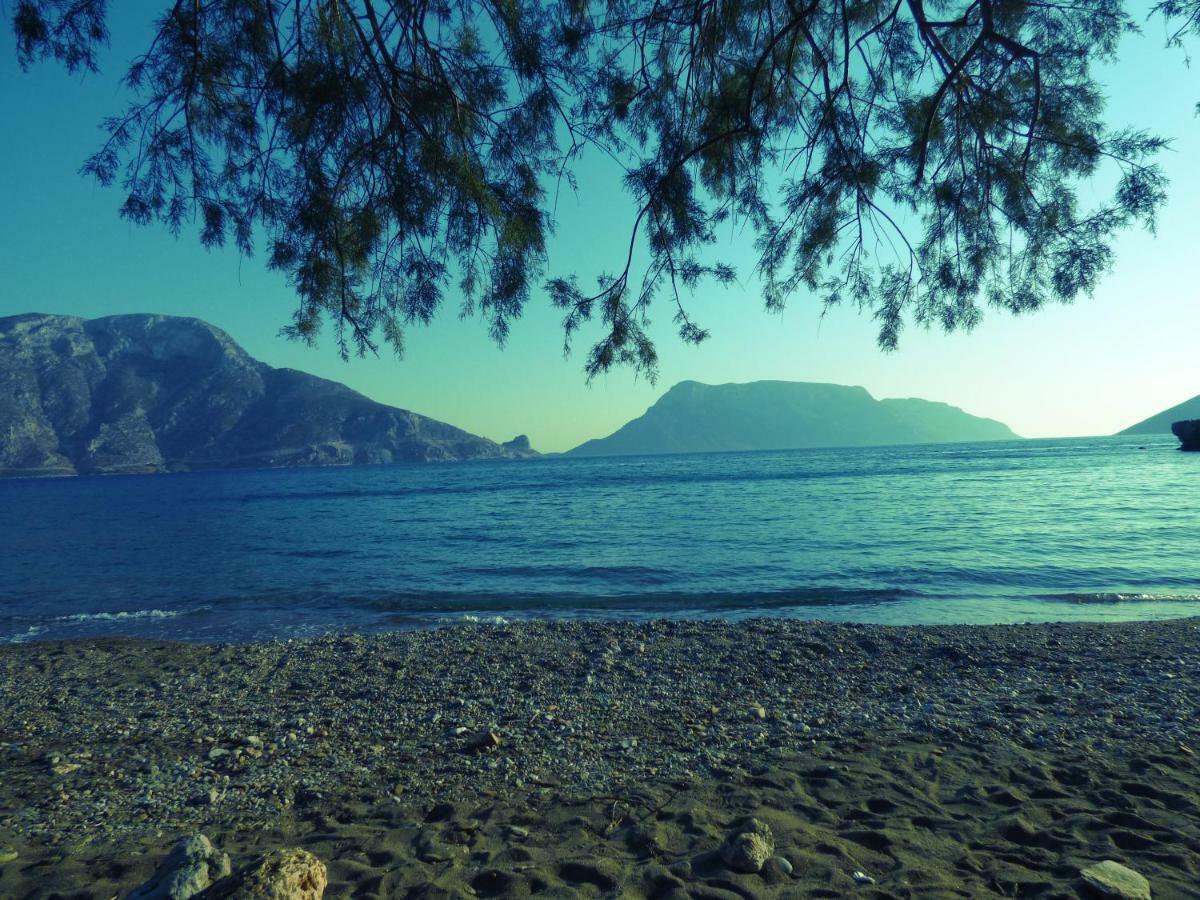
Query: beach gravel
column 614, row 759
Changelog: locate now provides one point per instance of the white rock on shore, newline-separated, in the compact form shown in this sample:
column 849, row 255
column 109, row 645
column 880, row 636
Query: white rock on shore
column 749, row 848
column 192, row 865
column 1113, row 881
column 291, row 874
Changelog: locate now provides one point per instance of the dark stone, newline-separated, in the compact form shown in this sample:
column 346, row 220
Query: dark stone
column 482, row 742
column 145, row 393
column 1188, row 432
column 520, row 445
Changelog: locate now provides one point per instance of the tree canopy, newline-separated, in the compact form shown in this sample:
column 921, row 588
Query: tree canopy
column 922, row 159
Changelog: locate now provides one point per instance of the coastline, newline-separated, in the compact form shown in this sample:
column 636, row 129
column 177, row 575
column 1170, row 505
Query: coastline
column 938, row 760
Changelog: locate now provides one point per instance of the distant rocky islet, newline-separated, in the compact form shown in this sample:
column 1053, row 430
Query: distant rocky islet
column 780, row 415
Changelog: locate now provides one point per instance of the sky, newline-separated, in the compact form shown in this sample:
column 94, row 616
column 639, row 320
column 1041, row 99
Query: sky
column 1091, row 368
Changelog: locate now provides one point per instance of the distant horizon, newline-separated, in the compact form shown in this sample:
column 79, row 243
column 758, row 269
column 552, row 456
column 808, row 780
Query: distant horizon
column 310, row 361
column 662, row 391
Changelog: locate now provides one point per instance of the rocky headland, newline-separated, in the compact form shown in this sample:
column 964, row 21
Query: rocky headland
column 1188, row 432
column 146, row 393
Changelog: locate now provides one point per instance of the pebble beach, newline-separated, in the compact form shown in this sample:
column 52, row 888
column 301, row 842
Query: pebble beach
column 565, row 759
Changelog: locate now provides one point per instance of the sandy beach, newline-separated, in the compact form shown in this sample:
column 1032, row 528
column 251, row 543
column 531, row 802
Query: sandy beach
column 587, row 759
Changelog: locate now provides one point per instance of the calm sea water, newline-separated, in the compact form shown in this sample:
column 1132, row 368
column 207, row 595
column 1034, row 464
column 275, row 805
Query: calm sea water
column 1103, row 528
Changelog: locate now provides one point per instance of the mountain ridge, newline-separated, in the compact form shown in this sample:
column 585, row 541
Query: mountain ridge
column 1162, row 421
column 154, row 393
column 692, row 417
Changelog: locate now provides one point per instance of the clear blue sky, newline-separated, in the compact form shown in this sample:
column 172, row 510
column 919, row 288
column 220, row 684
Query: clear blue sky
column 1090, row 368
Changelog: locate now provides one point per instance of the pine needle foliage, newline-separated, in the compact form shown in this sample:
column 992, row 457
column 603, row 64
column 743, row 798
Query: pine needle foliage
column 920, row 159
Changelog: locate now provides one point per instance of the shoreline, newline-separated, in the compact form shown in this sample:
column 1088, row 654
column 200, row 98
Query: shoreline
column 955, row 760
column 878, row 608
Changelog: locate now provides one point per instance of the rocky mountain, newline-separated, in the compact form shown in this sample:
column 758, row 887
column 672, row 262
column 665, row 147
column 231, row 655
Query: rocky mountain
column 1160, row 423
column 776, row 415
column 144, row 393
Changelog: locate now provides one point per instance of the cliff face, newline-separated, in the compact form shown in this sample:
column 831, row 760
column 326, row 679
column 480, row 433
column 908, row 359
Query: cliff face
column 778, row 415
column 144, row 393
column 1188, row 432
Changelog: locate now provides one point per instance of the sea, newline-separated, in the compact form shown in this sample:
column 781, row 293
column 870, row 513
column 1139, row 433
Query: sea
column 1023, row 531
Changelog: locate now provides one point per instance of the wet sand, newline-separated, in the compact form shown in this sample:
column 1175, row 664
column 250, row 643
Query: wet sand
column 937, row 762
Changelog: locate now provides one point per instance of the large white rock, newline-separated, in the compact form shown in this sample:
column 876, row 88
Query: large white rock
column 191, row 866
column 291, row 874
column 747, row 849
column 1110, row 879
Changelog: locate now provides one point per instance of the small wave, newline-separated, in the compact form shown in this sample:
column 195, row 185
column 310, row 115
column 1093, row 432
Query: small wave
column 633, row 574
column 121, row 616
column 62, row 626
column 1114, row 597
column 29, row 634
column 614, row 472
column 563, row 602
column 314, row 554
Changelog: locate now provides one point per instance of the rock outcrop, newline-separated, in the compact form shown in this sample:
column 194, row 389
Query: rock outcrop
column 782, row 415
column 190, row 868
column 143, row 393
column 519, row 444
column 1188, row 432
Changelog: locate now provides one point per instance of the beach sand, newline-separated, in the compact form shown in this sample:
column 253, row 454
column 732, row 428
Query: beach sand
column 934, row 761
